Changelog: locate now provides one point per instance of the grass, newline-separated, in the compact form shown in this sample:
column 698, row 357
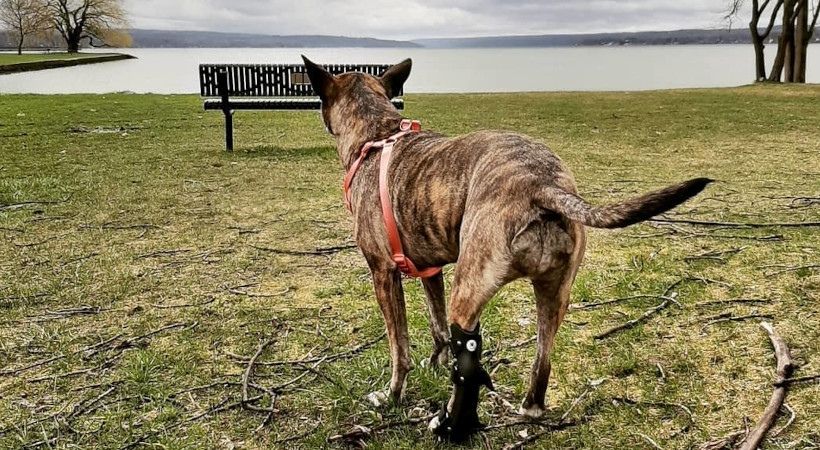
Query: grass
column 12, row 62
column 137, row 275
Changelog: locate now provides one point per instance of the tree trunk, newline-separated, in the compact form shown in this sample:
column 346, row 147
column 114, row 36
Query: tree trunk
column 760, row 59
column 73, row 42
column 801, row 42
column 786, row 38
column 20, row 44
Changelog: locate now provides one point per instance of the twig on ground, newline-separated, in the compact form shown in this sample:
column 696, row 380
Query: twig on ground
column 297, row 436
column 238, row 290
column 161, row 253
column 793, row 269
column 709, row 223
column 210, row 300
column 246, row 380
column 320, row 251
column 804, row 379
column 691, row 233
column 726, row 442
column 690, row 418
column 792, row 416
column 328, row 358
column 649, row 441
column 642, row 318
column 731, row 318
column 19, row 205
column 546, row 429
column 34, row 244
column 784, row 370
column 715, row 255
column 733, row 300
column 592, row 305
column 361, row 432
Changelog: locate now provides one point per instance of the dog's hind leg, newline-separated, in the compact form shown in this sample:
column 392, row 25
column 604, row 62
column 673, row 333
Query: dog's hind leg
column 551, row 301
column 436, row 307
column 481, row 270
column 552, row 290
column 389, row 293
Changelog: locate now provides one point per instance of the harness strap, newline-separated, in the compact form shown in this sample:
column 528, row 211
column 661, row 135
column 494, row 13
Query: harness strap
column 391, row 227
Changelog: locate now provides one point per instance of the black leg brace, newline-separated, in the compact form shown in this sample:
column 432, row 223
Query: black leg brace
column 468, row 376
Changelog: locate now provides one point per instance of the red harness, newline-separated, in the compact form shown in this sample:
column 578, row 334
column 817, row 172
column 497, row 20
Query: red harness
column 386, row 145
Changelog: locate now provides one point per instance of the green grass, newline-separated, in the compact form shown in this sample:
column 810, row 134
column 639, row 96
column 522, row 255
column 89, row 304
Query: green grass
column 146, row 224
column 14, row 58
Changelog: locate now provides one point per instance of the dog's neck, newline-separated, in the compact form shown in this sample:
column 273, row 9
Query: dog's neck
column 354, row 130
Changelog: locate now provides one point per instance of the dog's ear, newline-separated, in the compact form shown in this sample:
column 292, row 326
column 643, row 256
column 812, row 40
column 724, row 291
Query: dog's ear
column 321, row 80
column 394, row 78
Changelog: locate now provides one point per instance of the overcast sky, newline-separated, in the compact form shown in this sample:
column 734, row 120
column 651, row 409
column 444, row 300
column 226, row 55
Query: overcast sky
column 408, row 19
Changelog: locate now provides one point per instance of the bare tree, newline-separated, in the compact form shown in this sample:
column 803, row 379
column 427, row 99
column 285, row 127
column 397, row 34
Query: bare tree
column 796, row 32
column 24, row 18
column 803, row 33
column 101, row 22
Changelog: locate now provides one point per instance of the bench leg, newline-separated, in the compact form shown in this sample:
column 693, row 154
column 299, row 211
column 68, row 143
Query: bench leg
column 229, row 130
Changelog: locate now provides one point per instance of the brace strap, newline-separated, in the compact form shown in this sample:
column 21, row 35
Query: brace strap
column 468, row 375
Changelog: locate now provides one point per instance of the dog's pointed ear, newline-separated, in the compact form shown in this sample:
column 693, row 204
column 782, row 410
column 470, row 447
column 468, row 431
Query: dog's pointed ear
column 394, row 78
column 321, row 80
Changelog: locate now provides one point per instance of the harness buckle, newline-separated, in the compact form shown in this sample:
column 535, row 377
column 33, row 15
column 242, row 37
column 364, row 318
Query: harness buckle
column 404, row 264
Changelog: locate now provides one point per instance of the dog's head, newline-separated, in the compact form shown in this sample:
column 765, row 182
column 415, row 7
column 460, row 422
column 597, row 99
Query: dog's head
column 356, row 95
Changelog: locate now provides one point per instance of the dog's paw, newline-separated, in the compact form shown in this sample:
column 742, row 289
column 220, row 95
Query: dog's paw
column 531, row 411
column 378, row 398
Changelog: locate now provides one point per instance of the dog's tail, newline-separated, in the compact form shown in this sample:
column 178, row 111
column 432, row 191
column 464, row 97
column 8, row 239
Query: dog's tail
column 622, row 214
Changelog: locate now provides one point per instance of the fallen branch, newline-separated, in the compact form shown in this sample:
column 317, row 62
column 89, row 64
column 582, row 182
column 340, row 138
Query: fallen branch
column 210, row 300
column 238, row 290
column 733, row 300
column 715, row 255
column 731, row 318
column 14, row 206
column 793, row 269
column 792, row 416
column 709, row 223
column 784, row 370
column 360, row 432
column 162, row 253
column 642, row 318
column 804, row 379
column 609, row 302
column 329, row 358
column 320, row 251
column 547, row 429
column 690, row 233
column 729, row 441
column 688, row 412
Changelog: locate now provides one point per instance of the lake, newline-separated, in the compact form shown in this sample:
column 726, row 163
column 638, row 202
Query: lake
column 174, row 71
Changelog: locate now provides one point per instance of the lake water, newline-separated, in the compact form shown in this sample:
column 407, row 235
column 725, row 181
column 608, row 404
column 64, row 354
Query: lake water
column 172, row 71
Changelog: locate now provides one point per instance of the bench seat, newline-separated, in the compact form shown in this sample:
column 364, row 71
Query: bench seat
column 263, row 87
column 263, row 104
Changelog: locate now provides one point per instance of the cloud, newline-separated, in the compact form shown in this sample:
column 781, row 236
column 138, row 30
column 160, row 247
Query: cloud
column 407, row 19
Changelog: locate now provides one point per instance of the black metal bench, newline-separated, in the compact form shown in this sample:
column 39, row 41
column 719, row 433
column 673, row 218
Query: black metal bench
column 267, row 87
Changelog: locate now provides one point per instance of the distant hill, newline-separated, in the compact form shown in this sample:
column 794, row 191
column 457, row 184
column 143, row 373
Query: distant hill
column 209, row 39
column 678, row 37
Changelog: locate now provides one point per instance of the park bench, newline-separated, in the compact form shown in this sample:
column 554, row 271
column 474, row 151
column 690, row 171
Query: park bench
column 256, row 87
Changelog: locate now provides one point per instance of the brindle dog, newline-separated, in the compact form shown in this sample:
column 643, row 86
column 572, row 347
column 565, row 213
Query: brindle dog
column 499, row 205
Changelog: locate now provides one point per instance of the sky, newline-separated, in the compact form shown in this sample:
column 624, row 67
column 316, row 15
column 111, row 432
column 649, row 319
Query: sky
column 409, row 19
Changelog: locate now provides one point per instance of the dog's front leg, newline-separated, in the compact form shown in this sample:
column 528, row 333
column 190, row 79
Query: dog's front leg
column 389, row 293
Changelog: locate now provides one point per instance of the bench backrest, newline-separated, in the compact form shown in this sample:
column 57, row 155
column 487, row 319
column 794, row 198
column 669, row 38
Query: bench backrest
column 271, row 80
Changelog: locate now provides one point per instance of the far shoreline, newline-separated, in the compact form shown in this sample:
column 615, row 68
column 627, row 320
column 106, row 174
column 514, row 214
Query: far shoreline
column 81, row 59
